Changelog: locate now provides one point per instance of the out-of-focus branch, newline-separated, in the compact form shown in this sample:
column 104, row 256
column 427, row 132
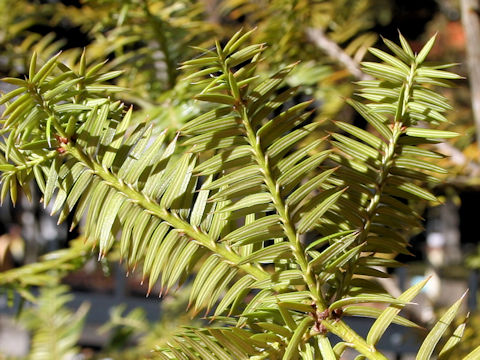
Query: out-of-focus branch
column 330, row 47
column 471, row 25
column 320, row 39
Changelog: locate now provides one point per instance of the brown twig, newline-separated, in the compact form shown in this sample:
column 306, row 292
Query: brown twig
column 471, row 24
column 330, row 47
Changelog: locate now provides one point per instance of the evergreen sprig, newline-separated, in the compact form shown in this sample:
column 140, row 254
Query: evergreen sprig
column 55, row 329
column 239, row 203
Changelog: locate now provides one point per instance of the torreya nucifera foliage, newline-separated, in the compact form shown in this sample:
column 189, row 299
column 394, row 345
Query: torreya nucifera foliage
column 233, row 196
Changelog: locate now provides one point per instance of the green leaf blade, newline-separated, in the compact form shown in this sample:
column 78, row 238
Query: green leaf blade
column 426, row 350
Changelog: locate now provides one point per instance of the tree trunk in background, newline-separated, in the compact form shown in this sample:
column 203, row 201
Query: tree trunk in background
column 471, row 24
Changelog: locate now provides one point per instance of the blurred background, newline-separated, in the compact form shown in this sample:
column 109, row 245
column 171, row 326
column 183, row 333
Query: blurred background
column 100, row 308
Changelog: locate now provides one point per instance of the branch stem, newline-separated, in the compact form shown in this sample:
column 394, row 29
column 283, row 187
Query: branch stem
column 336, row 326
column 150, row 205
column 155, row 209
column 388, row 160
column 347, row 334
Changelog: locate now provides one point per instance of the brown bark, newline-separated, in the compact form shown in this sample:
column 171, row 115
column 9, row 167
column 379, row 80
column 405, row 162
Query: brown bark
column 471, row 24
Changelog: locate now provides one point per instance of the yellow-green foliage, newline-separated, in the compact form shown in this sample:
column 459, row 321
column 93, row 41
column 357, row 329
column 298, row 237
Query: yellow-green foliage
column 232, row 197
column 283, row 231
column 55, row 329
